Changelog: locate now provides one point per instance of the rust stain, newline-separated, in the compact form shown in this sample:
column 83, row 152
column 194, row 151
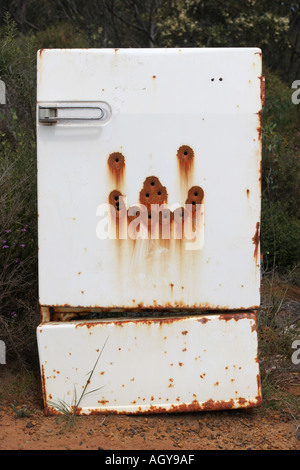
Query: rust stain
column 133, row 213
column 153, row 192
column 248, row 193
column 50, row 411
column 237, row 316
column 255, row 240
column 43, row 380
column 260, row 171
column 209, row 405
column 262, row 89
column 153, row 196
column 179, row 215
column 185, row 158
column 184, row 332
column 41, row 51
column 116, row 161
column 116, row 199
column 116, row 165
column 258, row 386
column 195, row 196
column 259, row 129
column 203, row 320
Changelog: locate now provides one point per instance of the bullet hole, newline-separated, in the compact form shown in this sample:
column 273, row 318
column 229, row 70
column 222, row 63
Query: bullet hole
column 185, row 154
column 116, row 161
column 153, row 192
column 115, row 199
column 179, row 215
column 195, row 196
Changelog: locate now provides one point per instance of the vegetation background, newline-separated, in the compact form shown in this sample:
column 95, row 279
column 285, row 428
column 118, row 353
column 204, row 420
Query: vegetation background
column 28, row 25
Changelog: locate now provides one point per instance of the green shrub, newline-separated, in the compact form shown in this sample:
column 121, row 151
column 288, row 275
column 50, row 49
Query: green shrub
column 18, row 206
column 279, row 235
column 280, row 225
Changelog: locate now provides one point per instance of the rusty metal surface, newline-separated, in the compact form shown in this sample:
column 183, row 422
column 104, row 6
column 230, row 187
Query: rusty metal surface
column 188, row 364
column 189, row 118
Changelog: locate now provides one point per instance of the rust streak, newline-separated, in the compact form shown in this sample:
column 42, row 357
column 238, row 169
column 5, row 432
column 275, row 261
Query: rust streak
column 185, row 157
column 237, row 316
column 262, row 89
column 259, row 129
column 116, row 165
column 255, row 240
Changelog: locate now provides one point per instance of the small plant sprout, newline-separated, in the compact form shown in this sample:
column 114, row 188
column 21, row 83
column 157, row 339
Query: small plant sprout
column 71, row 410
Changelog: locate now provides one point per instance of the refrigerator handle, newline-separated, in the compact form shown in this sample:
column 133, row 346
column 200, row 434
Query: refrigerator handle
column 53, row 114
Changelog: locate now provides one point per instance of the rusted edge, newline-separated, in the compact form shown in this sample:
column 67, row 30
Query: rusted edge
column 194, row 406
column 238, row 316
column 45, row 314
column 262, row 89
column 255, row 240
column 259, row 129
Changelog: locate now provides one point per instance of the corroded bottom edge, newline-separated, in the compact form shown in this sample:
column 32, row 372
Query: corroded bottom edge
column 194, row 406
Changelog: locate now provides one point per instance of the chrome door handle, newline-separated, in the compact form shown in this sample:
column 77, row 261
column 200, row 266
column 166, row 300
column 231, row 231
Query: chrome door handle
column 53, row 114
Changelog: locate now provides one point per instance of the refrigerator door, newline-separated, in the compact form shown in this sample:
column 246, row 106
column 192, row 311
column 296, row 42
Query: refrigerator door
column 112, row 122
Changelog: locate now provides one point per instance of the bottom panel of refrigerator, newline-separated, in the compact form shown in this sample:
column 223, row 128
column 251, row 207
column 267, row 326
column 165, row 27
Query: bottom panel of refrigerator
column 150, row 365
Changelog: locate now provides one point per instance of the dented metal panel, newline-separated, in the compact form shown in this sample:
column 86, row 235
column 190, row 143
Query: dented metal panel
column 186, row 120
column 195, row 363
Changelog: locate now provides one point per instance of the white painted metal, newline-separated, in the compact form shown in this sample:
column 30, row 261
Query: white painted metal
column 182, row 364
column 208, row 99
